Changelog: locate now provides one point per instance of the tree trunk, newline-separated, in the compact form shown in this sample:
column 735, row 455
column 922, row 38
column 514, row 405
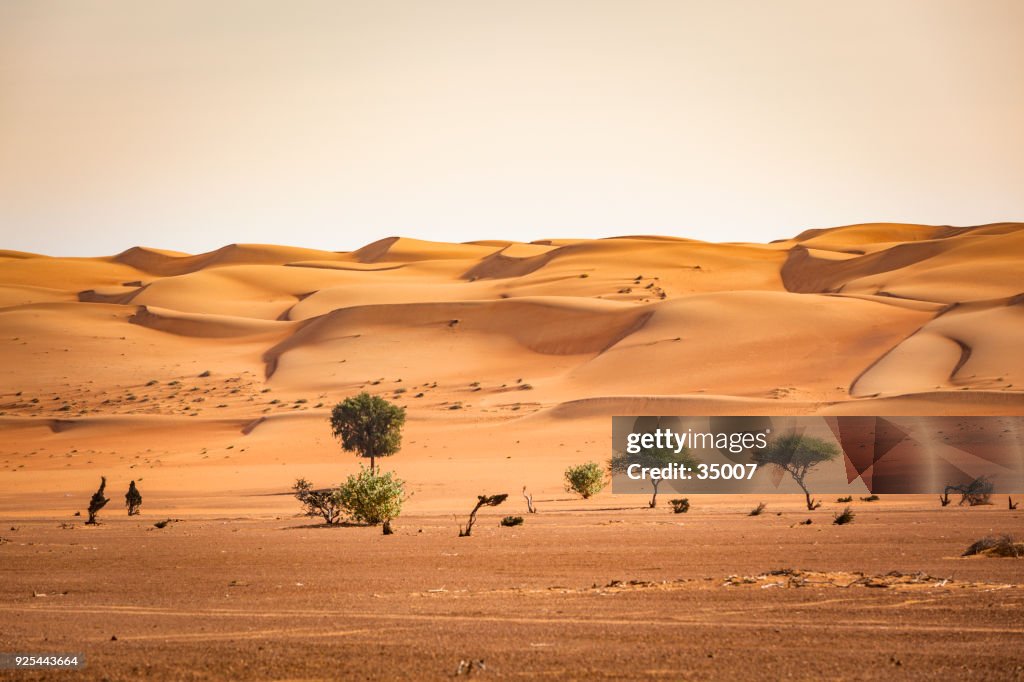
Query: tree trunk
column 529, row 502
column 387, row 528
column 807, row 494
column 654, row 497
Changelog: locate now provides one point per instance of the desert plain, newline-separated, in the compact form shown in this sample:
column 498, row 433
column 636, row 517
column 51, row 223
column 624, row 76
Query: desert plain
column 209, row 378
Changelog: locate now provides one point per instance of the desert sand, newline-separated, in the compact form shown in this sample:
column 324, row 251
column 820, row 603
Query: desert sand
column 209, row 379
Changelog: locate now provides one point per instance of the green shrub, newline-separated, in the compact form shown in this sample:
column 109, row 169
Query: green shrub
column 585, row 479
column 848, row 498
column 680, row 505
column 510, row 521
column 758, row 510
column 371, row 497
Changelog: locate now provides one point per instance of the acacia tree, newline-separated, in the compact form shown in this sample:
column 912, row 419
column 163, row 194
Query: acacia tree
column 797, row 455
column 974, row 493
column 369, row 426
column 652, row 458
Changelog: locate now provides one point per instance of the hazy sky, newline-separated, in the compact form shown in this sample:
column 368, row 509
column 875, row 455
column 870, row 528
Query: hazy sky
column 192, row 124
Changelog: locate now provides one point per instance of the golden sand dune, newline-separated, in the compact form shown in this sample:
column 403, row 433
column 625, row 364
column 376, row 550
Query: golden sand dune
column 967, row 346
column 404, row 250
column 967, row 265
column 771, row 344
column 459, row 342
column 868, row 237
column 228, row 362
column 170, row 263
column 260, row 291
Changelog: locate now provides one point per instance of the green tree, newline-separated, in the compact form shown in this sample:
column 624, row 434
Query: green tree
column 584, row 479
column 652, row 458
column 369, row 426
column 797, row 455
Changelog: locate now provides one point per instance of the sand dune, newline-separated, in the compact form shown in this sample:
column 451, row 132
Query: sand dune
column 772, row 345
column 223, row 366
column 967, row 346
column 966, row 265
column 170, row 263
column 403, row 250
column 869, row 237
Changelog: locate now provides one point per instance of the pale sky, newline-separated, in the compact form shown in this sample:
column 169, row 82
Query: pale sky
column 188, row 125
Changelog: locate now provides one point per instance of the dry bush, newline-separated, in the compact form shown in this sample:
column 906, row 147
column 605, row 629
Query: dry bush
column 1002, row 546
column 322, row 503
column 97, row 502
column 844, row 517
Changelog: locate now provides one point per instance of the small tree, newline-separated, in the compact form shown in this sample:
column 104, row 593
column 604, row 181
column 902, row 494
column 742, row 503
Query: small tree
column 369, row 426
column 585, row 479
column 373, row 498
column 97, row 502
column 322, row 503
column 133, row 499
column 652, row 458
column 481, row 501
column 797, row 455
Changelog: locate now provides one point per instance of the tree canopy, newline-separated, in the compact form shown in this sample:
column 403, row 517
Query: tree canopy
column 368, row 425
column 653, row 458
column 797, row 455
